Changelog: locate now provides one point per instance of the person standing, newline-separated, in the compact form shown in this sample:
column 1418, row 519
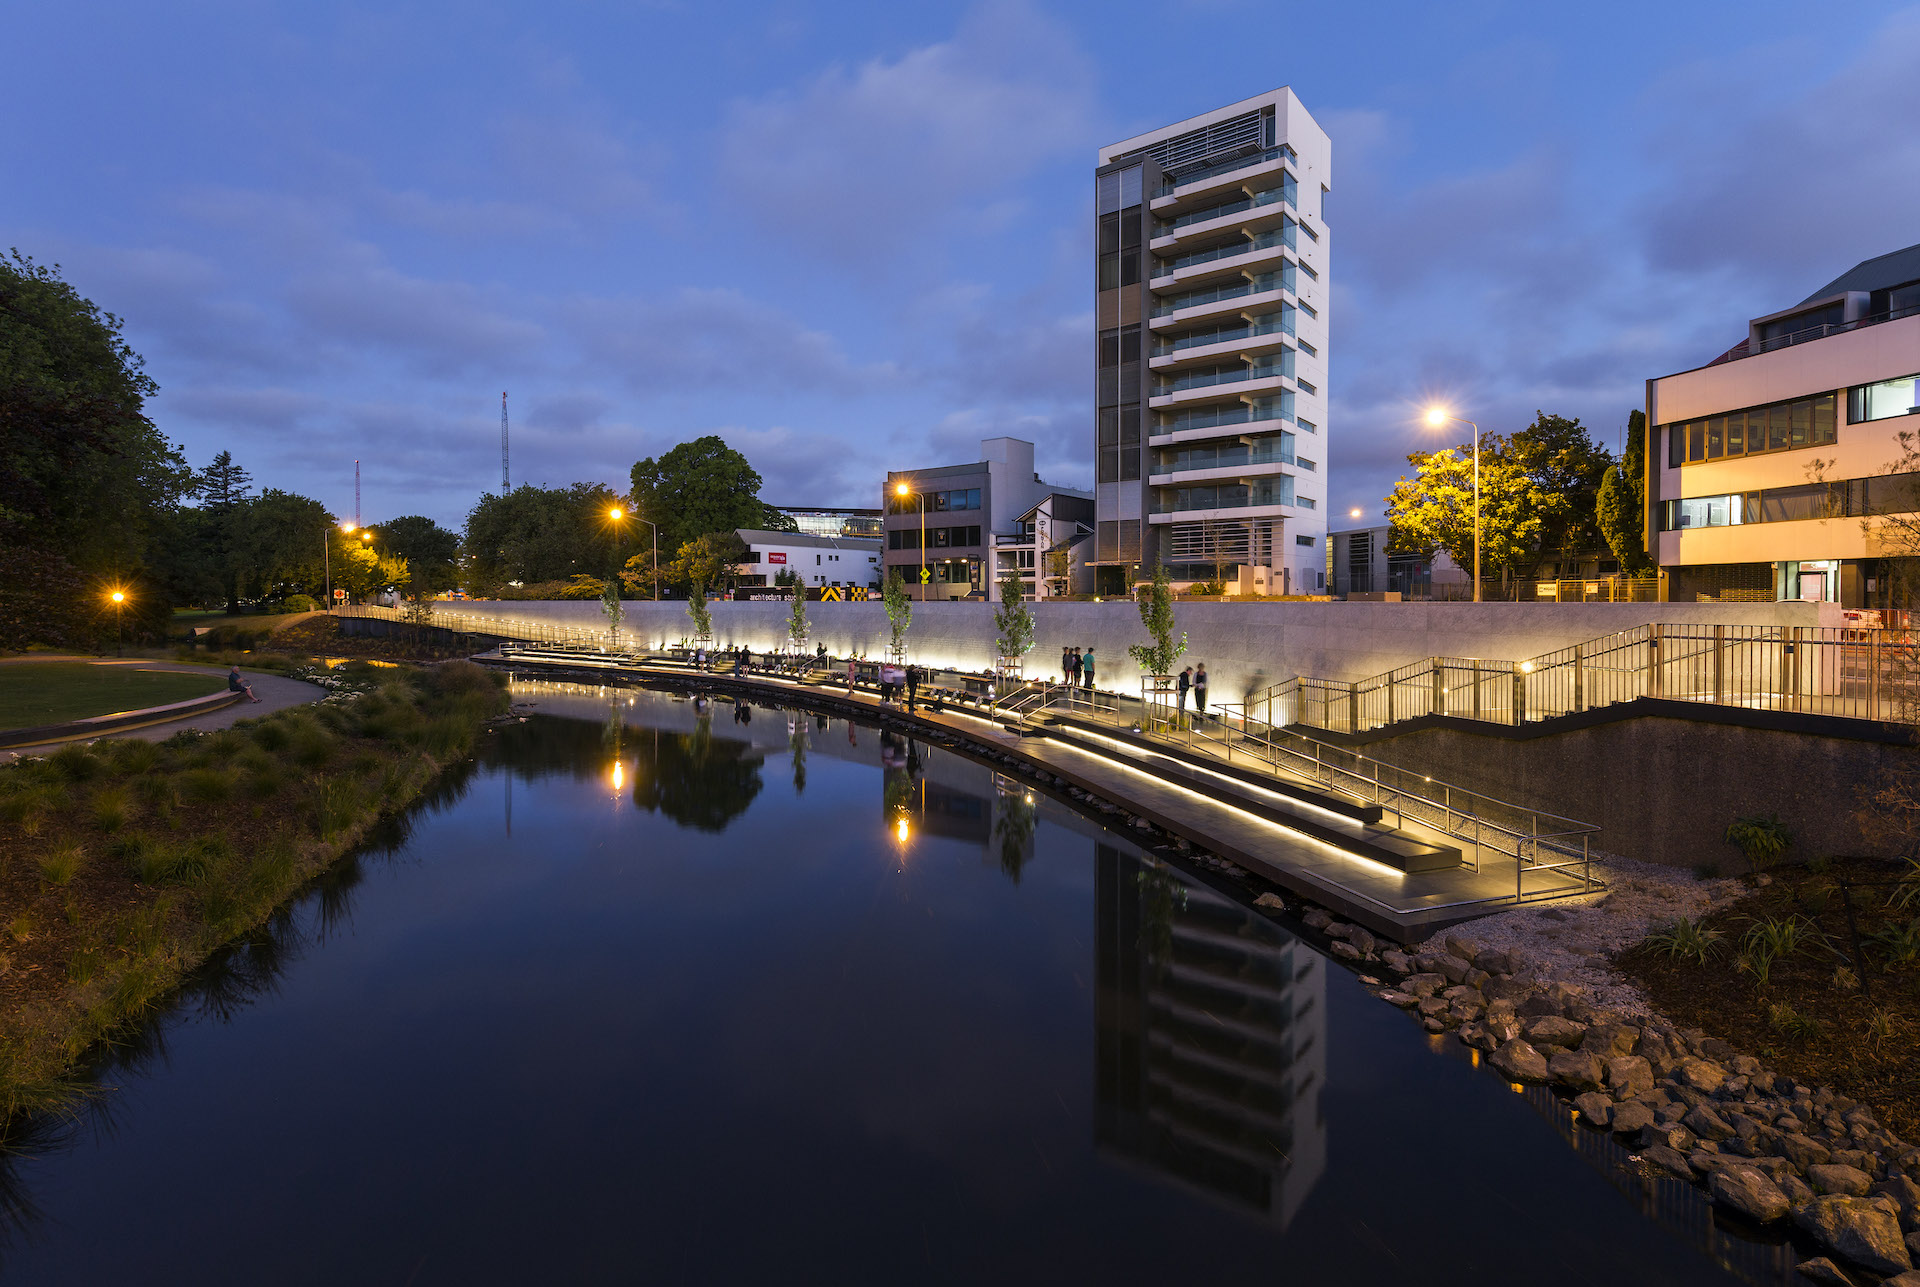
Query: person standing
column 850, row 673
column 1066, row 665
column 1086, row 670
column 1073, row 668
column 1185, row 683
column 913, row 685
column 1200, row 691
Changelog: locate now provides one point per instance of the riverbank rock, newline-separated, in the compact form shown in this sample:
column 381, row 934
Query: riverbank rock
column 1803, row 1152
column 1834, row 1178
column 1671, row 1159
column 1271, row 901
column 1709, row 1125
column 1860, row 1230
column 1629, row 1076
column 1317, row 919
column 1343, row 950
column 1752, row 1194
column 1632, row 1117
column 1521, row 1062
column 1595, row 1108
column 1552, row 1030
column 1701, row 1076
column 1823, row 1271
column 1579, row 1069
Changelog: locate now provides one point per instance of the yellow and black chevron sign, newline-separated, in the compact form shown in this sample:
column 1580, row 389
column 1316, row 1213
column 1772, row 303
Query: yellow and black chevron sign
column 829, row 594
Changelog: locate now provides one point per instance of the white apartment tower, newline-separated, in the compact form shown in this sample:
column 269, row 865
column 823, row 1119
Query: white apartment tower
column 1211, row 420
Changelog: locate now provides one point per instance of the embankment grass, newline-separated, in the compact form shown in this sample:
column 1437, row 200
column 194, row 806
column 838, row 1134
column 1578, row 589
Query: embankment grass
column 125, row 864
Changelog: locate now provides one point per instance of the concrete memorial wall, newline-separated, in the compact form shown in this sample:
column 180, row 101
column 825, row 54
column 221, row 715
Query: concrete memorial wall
column 1245, row 646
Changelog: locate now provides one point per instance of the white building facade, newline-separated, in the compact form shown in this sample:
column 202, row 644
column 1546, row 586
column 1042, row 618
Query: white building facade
column 1771, row 469
column 1212, row 294
column 819, row 561
column 1048, row 552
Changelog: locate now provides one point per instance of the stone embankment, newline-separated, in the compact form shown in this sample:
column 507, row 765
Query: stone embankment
column 1766, row 1146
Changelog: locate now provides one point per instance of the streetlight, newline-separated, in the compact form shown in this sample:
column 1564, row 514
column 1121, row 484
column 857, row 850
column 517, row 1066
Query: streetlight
column 119, row 600
column 1437, row 416
column 326, row 557
column 903, row 491
column 616, row 514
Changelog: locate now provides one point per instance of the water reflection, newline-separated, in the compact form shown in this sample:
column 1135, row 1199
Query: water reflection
column 1210, row 1045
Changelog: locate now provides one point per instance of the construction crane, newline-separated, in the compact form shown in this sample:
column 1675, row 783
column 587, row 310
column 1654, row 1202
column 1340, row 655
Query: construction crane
column 505, row 485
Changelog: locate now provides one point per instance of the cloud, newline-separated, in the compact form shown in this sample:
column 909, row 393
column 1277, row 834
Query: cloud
column 893, row 153
column 442, row 328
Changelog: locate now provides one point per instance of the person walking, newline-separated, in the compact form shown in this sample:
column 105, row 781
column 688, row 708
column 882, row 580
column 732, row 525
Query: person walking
column 1086, row 670
column 1185, row 683
column 850, row 674
column 1200, row 691
column 913, row 685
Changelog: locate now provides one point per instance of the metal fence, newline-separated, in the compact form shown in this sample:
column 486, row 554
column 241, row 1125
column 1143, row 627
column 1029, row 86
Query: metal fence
column 1849, row 671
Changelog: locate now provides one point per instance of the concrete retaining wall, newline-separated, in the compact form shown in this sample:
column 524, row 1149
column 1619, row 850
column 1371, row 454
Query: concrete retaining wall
column 1664, row 790
column 1245, row 645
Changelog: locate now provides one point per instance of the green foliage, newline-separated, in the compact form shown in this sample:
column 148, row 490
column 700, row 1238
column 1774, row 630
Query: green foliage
column 1788, row 1022
column 581, row 587
column 610, row 605
column 1013, row 619
column 797, row 618
column 62, row 863
column 110, row 807
column 697, row 610
column 1621, row 505
column 429, row 550
column 899, row 609
column 301, row 603
column 1778, row 936
column 1156, row 614
column 77, row 445
column 707, row 561
column 1762, row 840
column 1685, row 940
column 1898, row 945
column 699, row 487
column 537, row 534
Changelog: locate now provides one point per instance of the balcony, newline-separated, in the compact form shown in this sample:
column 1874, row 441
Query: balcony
column 1273, row 366
column 1270, row 240
column 1277, row 408
column 1194, row 182
column 1264, row 282
column 1285, row 191
column 1212, row 499
column 1280, row 323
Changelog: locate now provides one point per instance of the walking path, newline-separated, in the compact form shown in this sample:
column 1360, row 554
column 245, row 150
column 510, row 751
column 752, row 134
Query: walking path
column 276, row 692
column 1232, row 821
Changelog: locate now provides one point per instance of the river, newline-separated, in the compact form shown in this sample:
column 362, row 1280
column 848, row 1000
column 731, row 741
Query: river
column 646, row 993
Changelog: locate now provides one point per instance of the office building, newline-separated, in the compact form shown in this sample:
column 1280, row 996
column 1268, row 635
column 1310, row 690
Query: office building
column 1212, row 293
column 834, row 520
column 819, row 561
column 1049, row 550
column 960, row 508
column 1774, row 469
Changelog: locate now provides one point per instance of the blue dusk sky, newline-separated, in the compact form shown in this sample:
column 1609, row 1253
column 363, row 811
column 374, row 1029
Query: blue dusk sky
column 854, row 236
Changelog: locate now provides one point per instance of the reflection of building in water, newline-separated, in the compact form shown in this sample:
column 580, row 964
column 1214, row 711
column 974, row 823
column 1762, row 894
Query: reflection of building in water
column 1210, row 1041
column 924, row 788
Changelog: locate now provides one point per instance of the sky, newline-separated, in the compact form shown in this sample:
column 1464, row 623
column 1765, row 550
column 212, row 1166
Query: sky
column 855, row 237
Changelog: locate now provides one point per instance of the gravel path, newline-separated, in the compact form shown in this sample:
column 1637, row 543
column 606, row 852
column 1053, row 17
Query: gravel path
column 1569, row 941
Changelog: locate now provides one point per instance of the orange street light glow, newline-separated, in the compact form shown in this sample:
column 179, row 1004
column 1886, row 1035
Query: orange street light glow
column 901, row 489
column 614, row 513
column 118, row 597
column 1437, row 416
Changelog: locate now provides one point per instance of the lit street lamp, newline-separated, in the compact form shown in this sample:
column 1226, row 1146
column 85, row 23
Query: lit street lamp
column 119, row 600
column 1437, row 416
column 616, row 514
column 903, row 491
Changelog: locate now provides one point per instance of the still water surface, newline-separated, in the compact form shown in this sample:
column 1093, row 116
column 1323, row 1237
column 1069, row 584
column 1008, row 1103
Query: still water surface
column 647, row 994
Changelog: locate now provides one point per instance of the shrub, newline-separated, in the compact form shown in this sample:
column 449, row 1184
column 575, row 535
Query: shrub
column 1684, row 939
column 312, row 748
column 130, row 756
column 1777, row 937
column 1788, row 1022
column 300, row 603
column 110, row 807
column 62, row 864
column 185, row 863
column 76, row 763
column 1761, row 840
column 271, row 734
column 161, row 790
column 207, row 786
column 1899, row 945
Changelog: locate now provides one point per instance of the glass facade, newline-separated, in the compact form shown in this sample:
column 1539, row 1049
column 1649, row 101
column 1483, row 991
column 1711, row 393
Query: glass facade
column 1782, row 426
column 1884, row 400
column 1847, row 498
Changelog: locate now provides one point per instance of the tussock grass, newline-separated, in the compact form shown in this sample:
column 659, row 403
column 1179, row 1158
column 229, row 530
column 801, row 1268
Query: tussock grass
column 124, row 866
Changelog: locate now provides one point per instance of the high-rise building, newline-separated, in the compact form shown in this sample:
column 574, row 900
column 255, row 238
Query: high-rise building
column 1211, row 421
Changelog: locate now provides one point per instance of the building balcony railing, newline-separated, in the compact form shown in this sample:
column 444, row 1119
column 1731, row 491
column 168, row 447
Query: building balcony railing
column 1265, row 370
column 1283, row 279
column 1265, row 197
column 1747, row 349
column 1281, row 324
column 1186, row 499
column 1172, row 183
column 1244, row 413
column 1281, row 236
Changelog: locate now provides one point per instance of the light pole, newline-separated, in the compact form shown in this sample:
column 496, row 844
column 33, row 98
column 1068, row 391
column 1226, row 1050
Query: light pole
column 119, row 598
column 326, row 559
column 1437, row 416
column 903, row 491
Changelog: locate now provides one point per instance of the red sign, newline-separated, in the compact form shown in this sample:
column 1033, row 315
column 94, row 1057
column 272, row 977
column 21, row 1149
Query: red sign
column 339, row 594
column 777, row 556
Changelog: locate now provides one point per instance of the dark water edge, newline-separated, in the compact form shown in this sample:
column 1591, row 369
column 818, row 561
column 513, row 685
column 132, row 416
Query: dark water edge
column 794, row 998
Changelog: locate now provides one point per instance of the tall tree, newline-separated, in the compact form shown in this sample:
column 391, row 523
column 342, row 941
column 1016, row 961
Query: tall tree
column 1565, row 466
column 708, row 561
column 88, row 483
column 534, row 534
column 699, row 487
column 1434, row 508
column 1622, row 505
column 431, row 551
column 224, row 489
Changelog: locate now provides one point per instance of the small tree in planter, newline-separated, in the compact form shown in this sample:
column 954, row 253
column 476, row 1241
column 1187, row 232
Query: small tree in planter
column 797, row 620
column 1156, row 659
column 610, row 604
column 899, row 612
column 697, row 609
column 1015, row 623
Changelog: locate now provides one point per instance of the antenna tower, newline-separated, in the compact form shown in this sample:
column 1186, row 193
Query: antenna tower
column 505, row 486
column 356, row 493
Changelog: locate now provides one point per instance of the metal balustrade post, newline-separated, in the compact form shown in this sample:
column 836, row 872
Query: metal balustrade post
column 1579, row 681
column 1873, row 675
column 1438, row 701
column 1476, row 688
column 1353, row 706
column 1519, row 695
column 1655, row 687
column 1720, row 664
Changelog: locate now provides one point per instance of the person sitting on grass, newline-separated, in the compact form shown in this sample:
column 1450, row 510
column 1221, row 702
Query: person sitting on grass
column 235, row 684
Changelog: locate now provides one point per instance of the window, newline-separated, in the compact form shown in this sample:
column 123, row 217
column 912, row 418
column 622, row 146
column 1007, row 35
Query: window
column 1304, row 463
column 1309, row 309
column 1307, row 268
column 1783, row 426
column 1884, row 400
column 1305, row 347
column 1305, row 387
column 1307, row 425
column 1303, row 540
column 1304, row 502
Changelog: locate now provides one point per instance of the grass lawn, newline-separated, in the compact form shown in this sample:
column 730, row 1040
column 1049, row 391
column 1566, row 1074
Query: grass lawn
column 53, row 692
column 191, row 617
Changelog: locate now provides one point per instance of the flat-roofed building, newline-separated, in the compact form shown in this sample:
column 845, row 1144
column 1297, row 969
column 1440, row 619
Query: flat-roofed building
column 1770, row 468
column 819, row 561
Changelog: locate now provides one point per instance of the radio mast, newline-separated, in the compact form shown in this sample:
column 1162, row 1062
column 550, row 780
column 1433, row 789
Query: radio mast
column 356, row 493
column 505, row 485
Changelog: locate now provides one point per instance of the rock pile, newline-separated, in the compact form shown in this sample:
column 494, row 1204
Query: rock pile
column 1766, row 1146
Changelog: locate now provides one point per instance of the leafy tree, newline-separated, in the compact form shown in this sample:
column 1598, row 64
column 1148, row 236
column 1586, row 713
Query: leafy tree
column 224, row 489
column 797, row 619
column 1013, row 619
column 702, row 486
column 1622, row 504
column 899, row 610
column 360, row 568
column 641, row 574
column 88, row 484
column 610, row 604
column 1156, row 614
column 281, row 544
column 1434, row 508
column 431, row 551
column 708, row 561
column 697, row 610
column 1565, row 466
column 538, row 534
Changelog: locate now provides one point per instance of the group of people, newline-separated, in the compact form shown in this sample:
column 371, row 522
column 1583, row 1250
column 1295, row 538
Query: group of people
column 895, row 679
column 1195, row 681
column 1076, row 667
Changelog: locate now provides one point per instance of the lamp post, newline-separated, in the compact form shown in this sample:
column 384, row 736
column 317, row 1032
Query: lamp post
column 903, row 491
column 1437, row 416
column 326, row 559
column 119, row 599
